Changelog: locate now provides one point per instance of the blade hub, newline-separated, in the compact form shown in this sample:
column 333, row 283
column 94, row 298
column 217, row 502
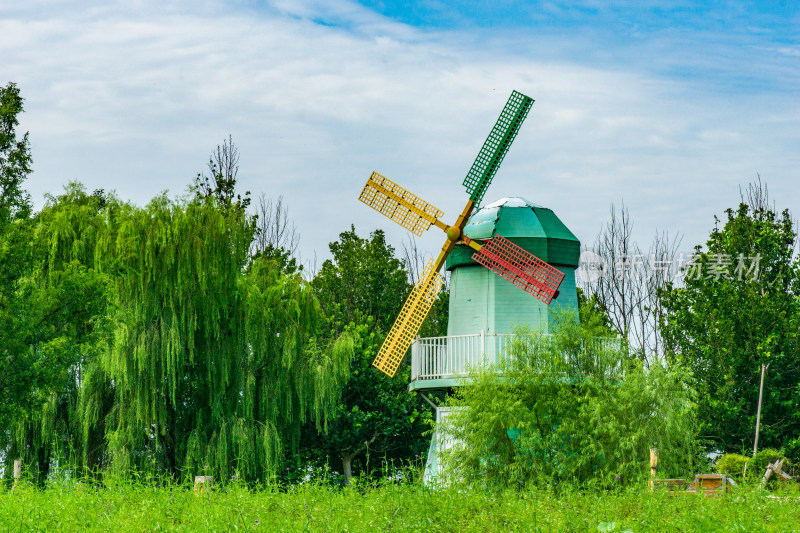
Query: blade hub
column 453, row 233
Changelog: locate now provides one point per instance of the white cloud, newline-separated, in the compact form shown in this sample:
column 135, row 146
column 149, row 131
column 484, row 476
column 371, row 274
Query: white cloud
column 792, row 51
column 134, row 98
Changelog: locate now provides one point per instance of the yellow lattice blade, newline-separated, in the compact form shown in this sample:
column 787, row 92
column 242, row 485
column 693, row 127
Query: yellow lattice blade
column 405, row 208
column 410, row 319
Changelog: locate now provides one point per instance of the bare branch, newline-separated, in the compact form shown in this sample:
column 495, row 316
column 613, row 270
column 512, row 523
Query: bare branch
column 273, row 227
column 757, row 196
column 224, row 162
column 311, row 268
column 223, row 166
column 413, row 258
column 628, row 286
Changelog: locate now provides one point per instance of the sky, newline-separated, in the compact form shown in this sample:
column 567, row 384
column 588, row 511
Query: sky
column 669, row 107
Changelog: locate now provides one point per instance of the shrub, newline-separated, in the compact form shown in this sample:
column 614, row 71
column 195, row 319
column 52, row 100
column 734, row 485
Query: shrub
column 732, row 464
column 758, row 464
column 792, row 450
column 569, row 408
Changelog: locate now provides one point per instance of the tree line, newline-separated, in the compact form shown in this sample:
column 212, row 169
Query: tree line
column 723, row 311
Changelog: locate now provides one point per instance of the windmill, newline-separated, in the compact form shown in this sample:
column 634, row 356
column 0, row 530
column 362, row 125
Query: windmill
column 500, row 255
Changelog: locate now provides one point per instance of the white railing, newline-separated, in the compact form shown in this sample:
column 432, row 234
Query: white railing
column 452, row 357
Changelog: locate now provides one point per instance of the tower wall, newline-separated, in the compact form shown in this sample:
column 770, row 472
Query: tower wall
column 480, row 300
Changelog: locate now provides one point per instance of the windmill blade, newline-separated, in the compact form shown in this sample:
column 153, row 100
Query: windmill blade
column 409, row 321
column 496, row 146
column 400, row 205
column 520, row 267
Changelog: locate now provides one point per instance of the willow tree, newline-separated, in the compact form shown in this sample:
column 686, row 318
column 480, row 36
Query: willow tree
column 63, row 327
column 214, row 362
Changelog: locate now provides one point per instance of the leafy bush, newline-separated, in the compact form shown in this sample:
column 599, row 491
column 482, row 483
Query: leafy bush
column 732, row 464
column 758, row 464
column 569, row 408
column 792, row 450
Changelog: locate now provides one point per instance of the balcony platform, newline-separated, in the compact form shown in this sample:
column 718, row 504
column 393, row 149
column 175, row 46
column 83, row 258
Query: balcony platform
column 441, row 363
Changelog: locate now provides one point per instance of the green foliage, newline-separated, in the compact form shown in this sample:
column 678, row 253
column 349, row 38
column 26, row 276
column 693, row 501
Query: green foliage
column 758, row 464
column 15, row 158
column 362, row 288
column 64, row 235
column 17, row 360
column 214, row 370
column 731, row 464
column 792, row 449
column 725, row 322
column 377, row 420
column 593, row 317
column 141, row 506
column 569, row 408
column 51, row 310
column 214, row 363
column 363, row 279
column 281, row 259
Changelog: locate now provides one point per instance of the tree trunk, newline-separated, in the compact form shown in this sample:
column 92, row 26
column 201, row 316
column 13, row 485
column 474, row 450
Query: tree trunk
column 169, row 437
column 347, row 467
column 347, row 458
column 42, row 465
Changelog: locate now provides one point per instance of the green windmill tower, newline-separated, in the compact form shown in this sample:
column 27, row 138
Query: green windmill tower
column 480, row 301
column 484, row 308
column 499, row 256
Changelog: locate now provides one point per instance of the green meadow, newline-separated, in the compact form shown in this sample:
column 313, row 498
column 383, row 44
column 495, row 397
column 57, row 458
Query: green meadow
column 132, row 506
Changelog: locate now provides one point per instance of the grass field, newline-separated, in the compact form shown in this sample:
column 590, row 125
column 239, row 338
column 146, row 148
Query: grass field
column 137, row 507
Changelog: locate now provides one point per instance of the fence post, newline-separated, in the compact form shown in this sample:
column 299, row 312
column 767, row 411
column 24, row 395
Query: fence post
column 653, row 465
column 17, row 471
column 203, row 484
column 415, row 355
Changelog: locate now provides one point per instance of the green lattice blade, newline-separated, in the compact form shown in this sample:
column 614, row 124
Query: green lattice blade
column 496, row 146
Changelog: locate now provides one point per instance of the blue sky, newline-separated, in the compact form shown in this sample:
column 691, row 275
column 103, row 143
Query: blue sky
column 555, row 14
column 627, row 31
column 615, row 15
column 670, row 106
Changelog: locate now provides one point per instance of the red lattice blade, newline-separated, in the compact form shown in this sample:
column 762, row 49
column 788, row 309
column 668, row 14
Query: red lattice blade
column 520, row 267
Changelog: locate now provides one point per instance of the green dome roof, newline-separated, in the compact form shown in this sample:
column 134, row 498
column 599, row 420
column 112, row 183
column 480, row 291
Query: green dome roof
column 531, row 226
